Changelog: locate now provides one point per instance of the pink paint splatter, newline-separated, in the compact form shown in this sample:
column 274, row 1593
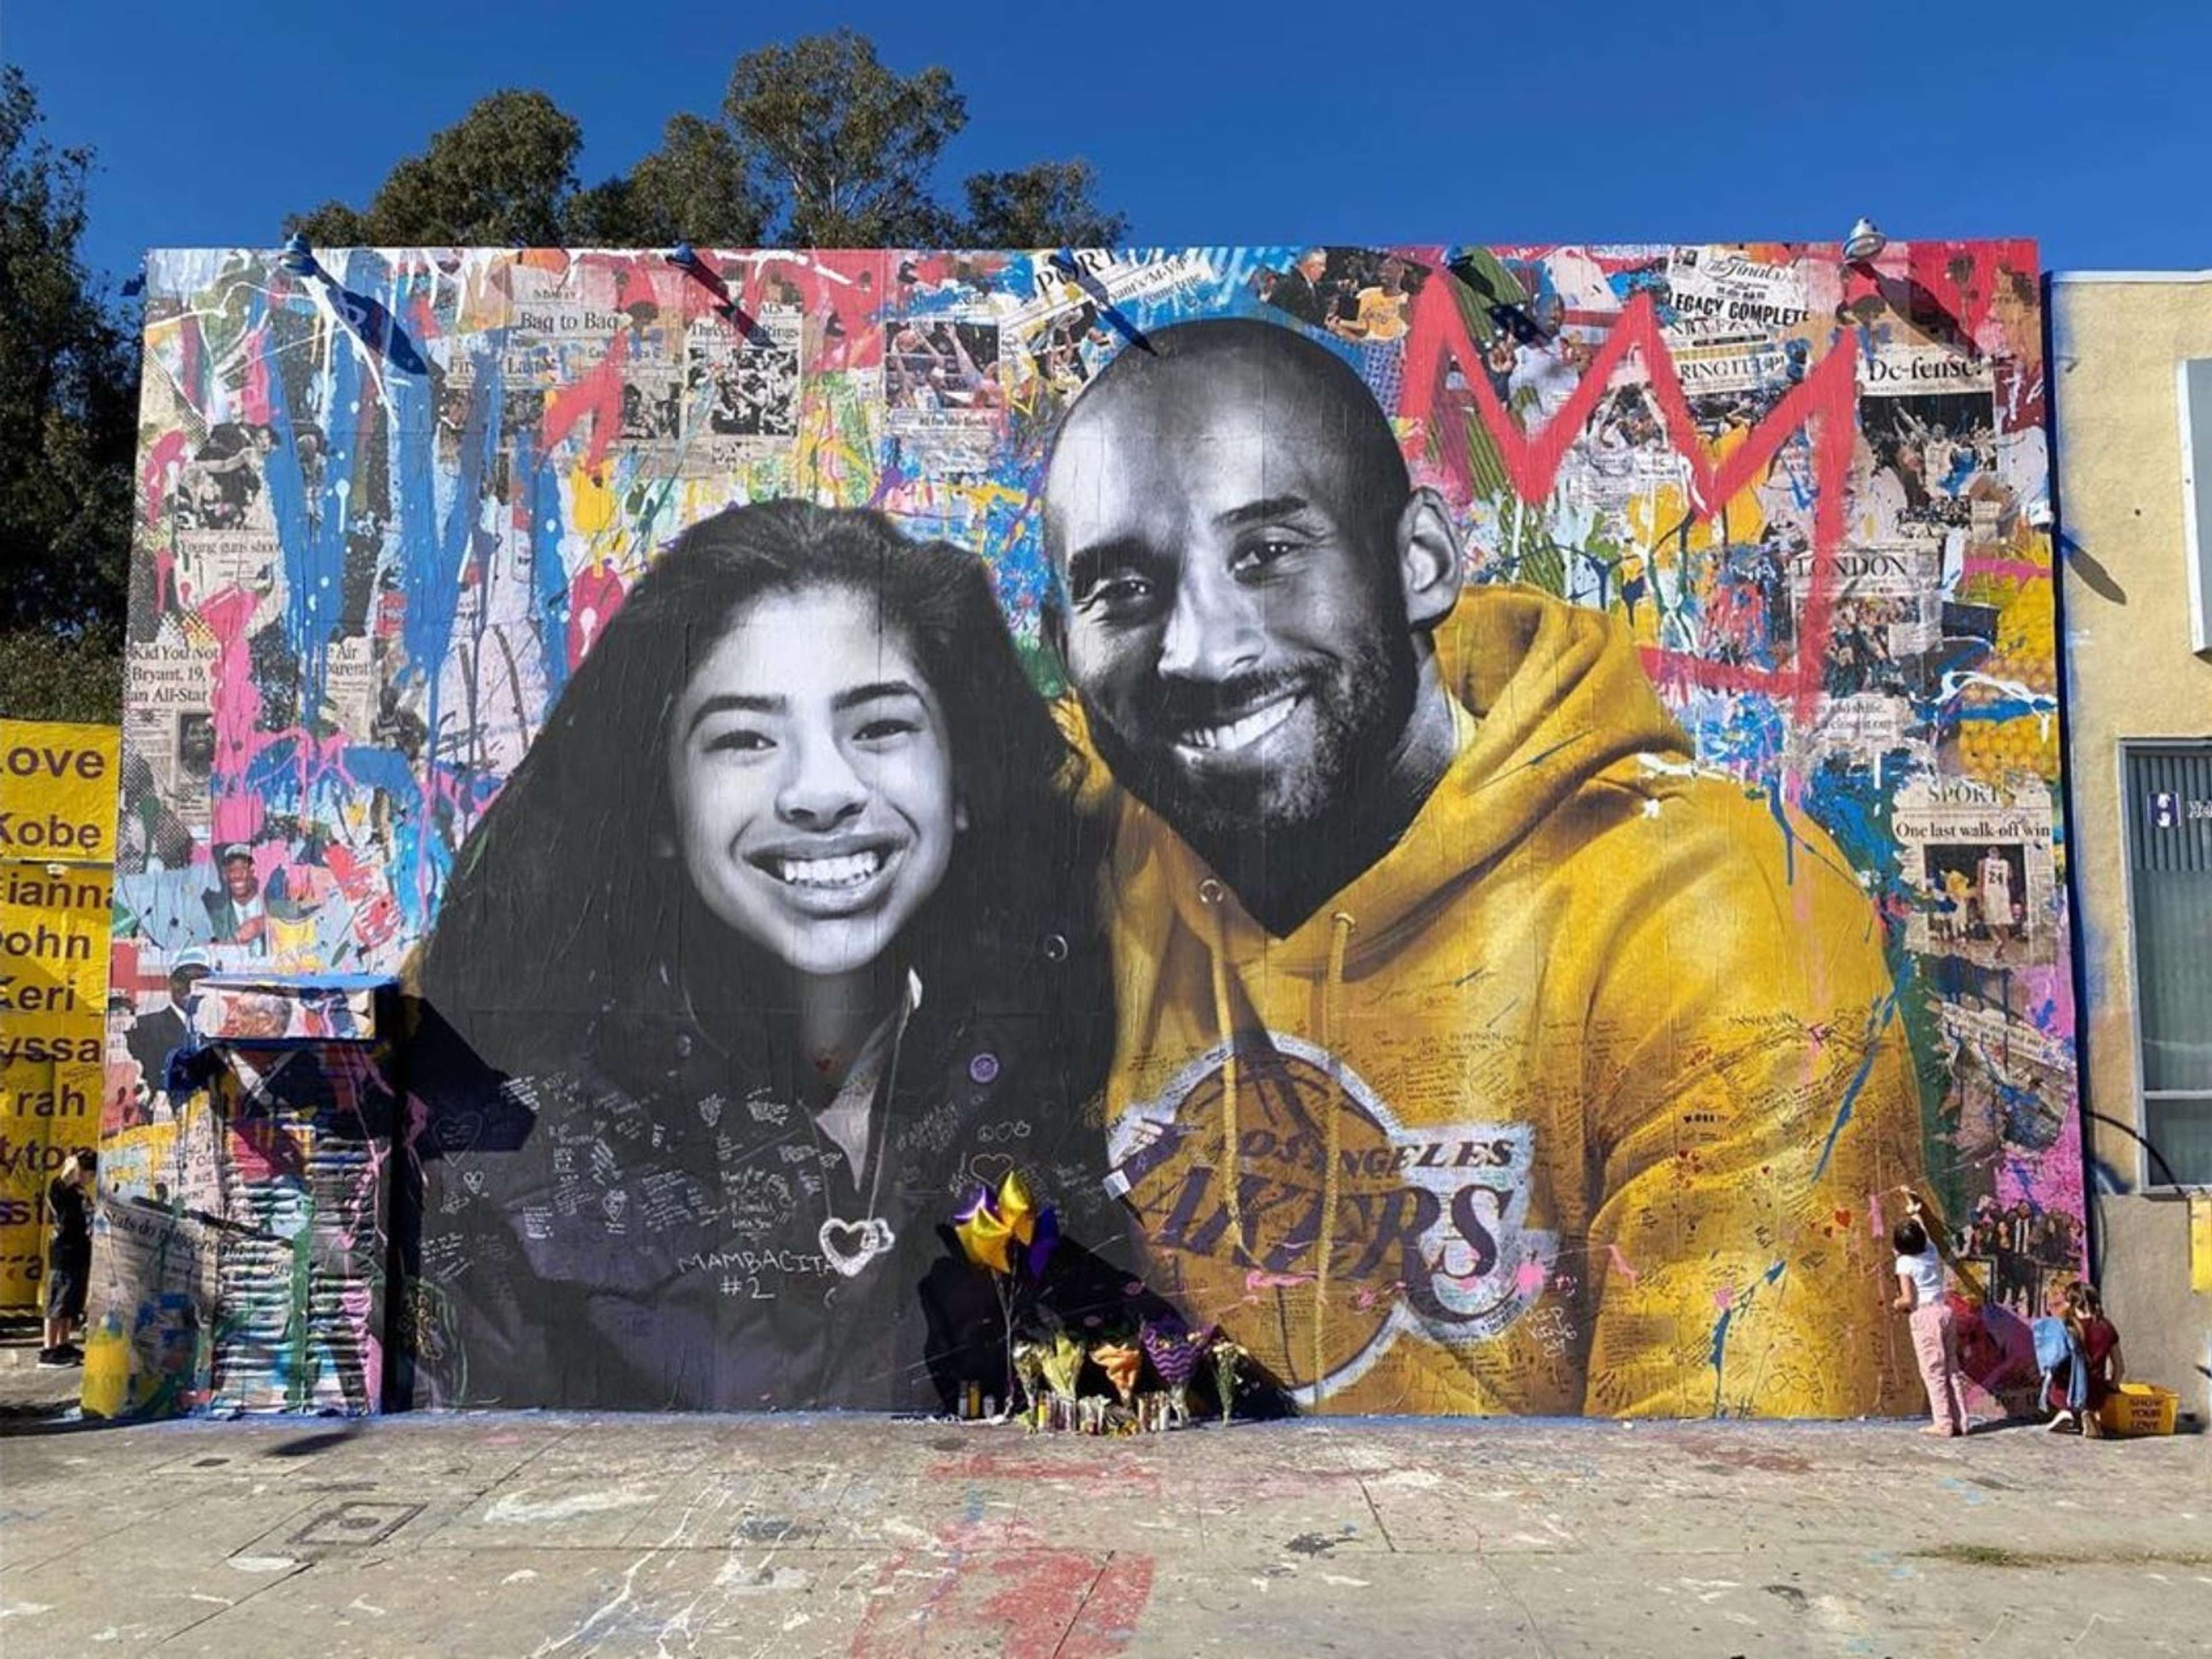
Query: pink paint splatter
column 163, row 456
column 254, row 401
column 1620, row 1264
column 594, row 598
column 237, row 811
column 598, row 394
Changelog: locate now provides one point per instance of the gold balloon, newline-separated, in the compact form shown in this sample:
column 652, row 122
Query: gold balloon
column 987, row 1238
column 1015, row 1205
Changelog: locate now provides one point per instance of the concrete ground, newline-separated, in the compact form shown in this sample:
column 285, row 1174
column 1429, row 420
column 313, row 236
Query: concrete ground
column 537, row 1534
column 28, row 1391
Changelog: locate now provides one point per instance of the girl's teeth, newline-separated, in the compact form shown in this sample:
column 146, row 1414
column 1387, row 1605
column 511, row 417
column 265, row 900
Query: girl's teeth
column 849, row 871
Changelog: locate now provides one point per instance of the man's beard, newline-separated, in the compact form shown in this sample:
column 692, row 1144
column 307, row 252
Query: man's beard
column 1358, row 708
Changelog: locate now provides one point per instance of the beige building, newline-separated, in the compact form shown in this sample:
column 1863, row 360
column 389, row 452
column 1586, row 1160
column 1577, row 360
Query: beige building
column 2131, row 388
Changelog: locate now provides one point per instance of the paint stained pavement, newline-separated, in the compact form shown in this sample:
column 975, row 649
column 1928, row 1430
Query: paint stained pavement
column 540, row 1535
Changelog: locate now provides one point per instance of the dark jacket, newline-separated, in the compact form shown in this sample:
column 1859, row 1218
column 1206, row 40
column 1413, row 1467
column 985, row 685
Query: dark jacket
column 644, row 1228
column 1294, row 293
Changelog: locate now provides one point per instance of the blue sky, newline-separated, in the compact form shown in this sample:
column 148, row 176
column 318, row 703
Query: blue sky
column 1607, row 121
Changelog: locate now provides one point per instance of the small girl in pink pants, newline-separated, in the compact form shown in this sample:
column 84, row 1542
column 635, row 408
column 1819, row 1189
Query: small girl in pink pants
column 1920, row 1280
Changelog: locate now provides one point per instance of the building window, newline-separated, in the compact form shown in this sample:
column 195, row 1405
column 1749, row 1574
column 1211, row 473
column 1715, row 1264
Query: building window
column 2168, row 808
column 2196, row 497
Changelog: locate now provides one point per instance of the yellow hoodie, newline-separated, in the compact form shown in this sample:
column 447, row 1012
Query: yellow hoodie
column 1592, row 1080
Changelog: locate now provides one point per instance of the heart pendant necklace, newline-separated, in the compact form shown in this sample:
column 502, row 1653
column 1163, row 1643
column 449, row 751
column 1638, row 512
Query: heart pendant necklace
column 849, row 1246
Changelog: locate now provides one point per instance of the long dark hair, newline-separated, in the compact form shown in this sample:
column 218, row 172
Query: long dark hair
column 2083, row 1304
column 566, row 914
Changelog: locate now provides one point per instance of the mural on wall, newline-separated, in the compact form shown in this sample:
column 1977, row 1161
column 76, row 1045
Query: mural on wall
column 240, row 1242
column 1471, row 816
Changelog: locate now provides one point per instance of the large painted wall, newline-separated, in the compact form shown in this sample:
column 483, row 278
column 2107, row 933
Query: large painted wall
column 1535, row 766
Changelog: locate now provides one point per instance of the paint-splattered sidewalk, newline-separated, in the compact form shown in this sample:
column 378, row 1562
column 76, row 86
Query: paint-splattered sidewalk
column 793, row 1536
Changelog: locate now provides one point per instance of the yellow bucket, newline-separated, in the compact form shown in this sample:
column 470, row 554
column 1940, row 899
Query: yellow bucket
column 2136, row 1409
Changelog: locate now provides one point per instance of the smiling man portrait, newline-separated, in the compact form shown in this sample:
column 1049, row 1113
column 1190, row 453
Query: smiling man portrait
column 1477, row 1050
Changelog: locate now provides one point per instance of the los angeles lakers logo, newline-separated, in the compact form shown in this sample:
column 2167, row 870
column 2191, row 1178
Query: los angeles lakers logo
column 1425, row 1234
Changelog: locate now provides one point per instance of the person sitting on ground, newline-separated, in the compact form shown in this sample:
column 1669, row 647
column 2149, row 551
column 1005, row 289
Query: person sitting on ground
column 2058, row 1357
column 2099, row 1365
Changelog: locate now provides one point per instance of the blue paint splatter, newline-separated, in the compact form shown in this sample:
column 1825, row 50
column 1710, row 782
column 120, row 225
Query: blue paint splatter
column 1876, row 1025
column 1845, row 802
column 1789, row 833
column 1719, row 1356
column 311, row 538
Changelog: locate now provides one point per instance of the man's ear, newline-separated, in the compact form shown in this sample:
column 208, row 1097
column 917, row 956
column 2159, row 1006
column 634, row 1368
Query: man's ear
column 1428, row 559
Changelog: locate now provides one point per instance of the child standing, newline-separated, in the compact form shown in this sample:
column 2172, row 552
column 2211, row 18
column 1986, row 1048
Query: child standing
column 1920, row 1285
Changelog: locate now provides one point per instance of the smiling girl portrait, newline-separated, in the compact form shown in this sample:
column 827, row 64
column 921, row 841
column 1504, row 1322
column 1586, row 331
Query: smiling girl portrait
column 778, row 938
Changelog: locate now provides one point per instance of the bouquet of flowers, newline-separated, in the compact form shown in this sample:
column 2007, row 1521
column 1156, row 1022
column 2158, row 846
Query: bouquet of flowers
column 1174, row 1350
column 1123, row 1363
column 1228, row 1357
column 1062, row 1362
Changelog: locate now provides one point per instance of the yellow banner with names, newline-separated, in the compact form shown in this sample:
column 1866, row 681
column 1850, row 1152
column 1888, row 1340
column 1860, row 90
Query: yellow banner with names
column 57, row 792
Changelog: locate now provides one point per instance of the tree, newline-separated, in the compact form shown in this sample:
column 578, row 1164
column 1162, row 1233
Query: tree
column 65, row 675
column 68, row 428
column 1048, row 205
column 819, row 144
column 502, row 176
column 848, row 147
column 695, row 188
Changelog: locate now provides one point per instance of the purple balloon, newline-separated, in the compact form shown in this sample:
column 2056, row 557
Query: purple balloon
column 1041, row 1241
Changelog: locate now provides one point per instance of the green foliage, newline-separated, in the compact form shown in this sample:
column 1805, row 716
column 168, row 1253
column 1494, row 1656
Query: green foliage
column 695, row 188
column 1048, row 205
column 331, row 225
column 68, row 402
column 819, row 145
column 847, row 145
column 47, row 675
column 501, row 176
column 848, row 149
